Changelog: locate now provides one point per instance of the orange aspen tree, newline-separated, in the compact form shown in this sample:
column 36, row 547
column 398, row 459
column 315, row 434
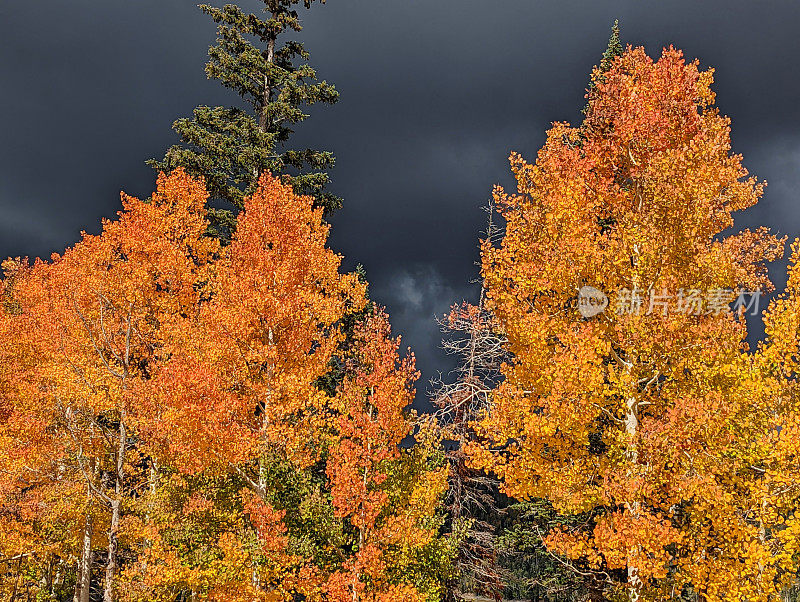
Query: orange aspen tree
column 240, row 394
column 390, row 504
column 239, row 407
column 39, row 500
column 94, row 319
column 633, row 416
column 252, row 354
column 158, row 392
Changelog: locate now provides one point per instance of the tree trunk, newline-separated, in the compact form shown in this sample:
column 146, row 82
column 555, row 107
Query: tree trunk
column 83, row 584
column 262, row 467
column 632, row 456
column 113, row 547
column 263, row 118
column 113, row 531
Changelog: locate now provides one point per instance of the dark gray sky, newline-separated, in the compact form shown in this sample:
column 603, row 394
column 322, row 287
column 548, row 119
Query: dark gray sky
column 434, row 96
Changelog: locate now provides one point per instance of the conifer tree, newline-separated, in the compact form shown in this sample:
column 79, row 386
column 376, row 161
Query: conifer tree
column 232, row 146
column 612, row 51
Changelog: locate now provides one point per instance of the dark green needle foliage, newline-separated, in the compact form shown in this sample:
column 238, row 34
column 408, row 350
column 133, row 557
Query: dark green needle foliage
column 612, row 51
column 231, row 146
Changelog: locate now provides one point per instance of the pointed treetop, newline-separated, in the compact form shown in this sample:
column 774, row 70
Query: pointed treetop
column 612, row 51
column 614, row 48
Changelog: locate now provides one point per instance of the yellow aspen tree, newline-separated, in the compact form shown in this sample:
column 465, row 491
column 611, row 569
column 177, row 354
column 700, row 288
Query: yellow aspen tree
column 628, row 389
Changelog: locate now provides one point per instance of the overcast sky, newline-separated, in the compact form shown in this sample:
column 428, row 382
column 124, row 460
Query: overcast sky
column 434, row 96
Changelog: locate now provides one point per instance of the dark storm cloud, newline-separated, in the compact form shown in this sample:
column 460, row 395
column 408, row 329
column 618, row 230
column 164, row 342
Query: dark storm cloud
column 434, row 97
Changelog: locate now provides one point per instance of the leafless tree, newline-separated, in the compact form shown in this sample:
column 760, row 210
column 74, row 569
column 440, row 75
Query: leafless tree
column 471, row 334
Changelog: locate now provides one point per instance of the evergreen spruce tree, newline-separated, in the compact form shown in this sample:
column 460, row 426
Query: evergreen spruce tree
column 612, row 51
column 231, row 146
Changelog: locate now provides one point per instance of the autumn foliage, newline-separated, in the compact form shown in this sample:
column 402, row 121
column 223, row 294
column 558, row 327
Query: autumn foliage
column 162, row 414
column 654, row 426
column 186, row 418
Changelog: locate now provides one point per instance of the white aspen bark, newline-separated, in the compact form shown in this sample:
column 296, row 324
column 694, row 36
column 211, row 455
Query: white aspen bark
column 84, row 580
column 57, row 578
column 632, row 457
column 113, row 531
column 262, row 469
column 83, row 584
